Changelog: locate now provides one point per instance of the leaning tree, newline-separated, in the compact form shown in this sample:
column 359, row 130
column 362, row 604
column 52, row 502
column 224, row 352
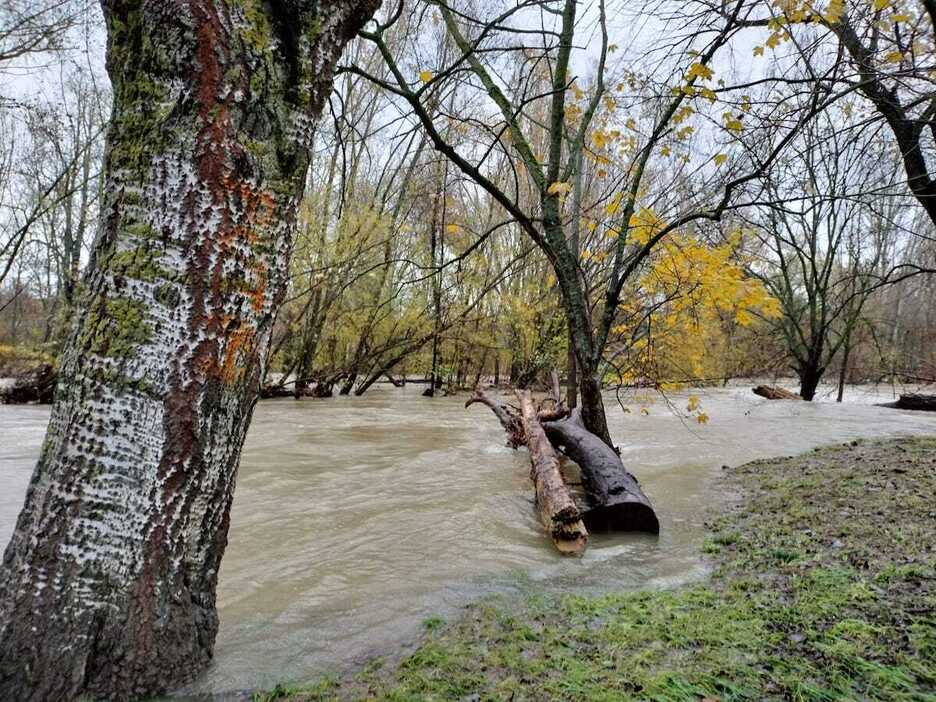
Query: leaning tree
column 108, row 584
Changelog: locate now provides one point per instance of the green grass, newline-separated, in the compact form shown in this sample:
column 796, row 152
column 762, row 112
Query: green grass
column 824, row 589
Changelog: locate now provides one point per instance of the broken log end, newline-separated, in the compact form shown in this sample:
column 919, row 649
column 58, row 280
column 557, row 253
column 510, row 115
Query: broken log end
column 571, row 541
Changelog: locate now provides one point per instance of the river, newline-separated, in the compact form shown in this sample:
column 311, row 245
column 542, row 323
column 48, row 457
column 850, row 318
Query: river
column 355, row 519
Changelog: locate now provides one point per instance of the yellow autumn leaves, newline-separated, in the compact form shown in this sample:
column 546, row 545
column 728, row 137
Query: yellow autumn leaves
column 699, row 70
column 559, row 188
column 800, row 11
column 699, row 292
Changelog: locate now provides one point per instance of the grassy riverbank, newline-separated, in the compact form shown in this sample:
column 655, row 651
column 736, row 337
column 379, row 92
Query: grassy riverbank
column 824, row 588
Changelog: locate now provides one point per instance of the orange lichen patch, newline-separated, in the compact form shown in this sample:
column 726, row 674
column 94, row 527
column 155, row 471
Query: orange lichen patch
column 232, row 370
column 257, row 294
column 258, row 208
column 259, row 205
column 257, row 297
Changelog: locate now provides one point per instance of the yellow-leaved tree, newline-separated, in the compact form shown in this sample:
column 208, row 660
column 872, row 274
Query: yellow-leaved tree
column 691, row 308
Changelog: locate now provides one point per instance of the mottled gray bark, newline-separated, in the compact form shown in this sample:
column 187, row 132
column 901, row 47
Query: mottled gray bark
column 108, row 584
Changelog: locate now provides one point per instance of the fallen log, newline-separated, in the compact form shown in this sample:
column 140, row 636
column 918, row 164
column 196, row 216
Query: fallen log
column 322, row 389
column 558, row 511
column 613, row 499
column 914, row 401
column 268, row 392
column 775, row 393
column 36, row 385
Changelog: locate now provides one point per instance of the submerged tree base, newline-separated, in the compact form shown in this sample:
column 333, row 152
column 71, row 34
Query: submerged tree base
column 824, row 589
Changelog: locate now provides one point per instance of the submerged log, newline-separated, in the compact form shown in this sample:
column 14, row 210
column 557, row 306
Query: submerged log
column 35, row 385
column 320, row 389
column 614, row 500
column 775, row 393
column 914, row 401
column 558, row 511
column 397, row 383
column 268, row 392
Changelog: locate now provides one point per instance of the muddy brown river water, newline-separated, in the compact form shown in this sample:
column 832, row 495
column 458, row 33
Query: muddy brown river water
column 355, row 519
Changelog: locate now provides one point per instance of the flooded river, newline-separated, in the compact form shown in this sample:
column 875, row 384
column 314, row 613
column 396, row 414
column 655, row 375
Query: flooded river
column 355, row 519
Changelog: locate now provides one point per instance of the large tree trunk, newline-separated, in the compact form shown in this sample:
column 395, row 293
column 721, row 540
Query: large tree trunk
column 108, row 584
column 908, row 129
column 615, row 501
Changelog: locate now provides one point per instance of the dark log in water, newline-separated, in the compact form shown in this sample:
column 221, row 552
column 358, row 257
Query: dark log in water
column 35, row 385
column 319, row 389
column 614, row 500
column 914, row 401
column 774, row 393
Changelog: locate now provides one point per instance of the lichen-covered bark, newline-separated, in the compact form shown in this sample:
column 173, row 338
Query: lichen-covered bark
column 108, row 584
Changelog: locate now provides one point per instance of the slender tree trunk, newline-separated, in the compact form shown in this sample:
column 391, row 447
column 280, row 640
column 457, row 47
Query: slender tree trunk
column 481, row 364
column 843, row 371
column 348, row 384
column 434, row 243
column 108, row 584
column 896, row 353
column 571, row 375
column 311, row 332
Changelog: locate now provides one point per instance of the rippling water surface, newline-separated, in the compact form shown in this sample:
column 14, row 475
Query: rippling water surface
column 357, row 518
